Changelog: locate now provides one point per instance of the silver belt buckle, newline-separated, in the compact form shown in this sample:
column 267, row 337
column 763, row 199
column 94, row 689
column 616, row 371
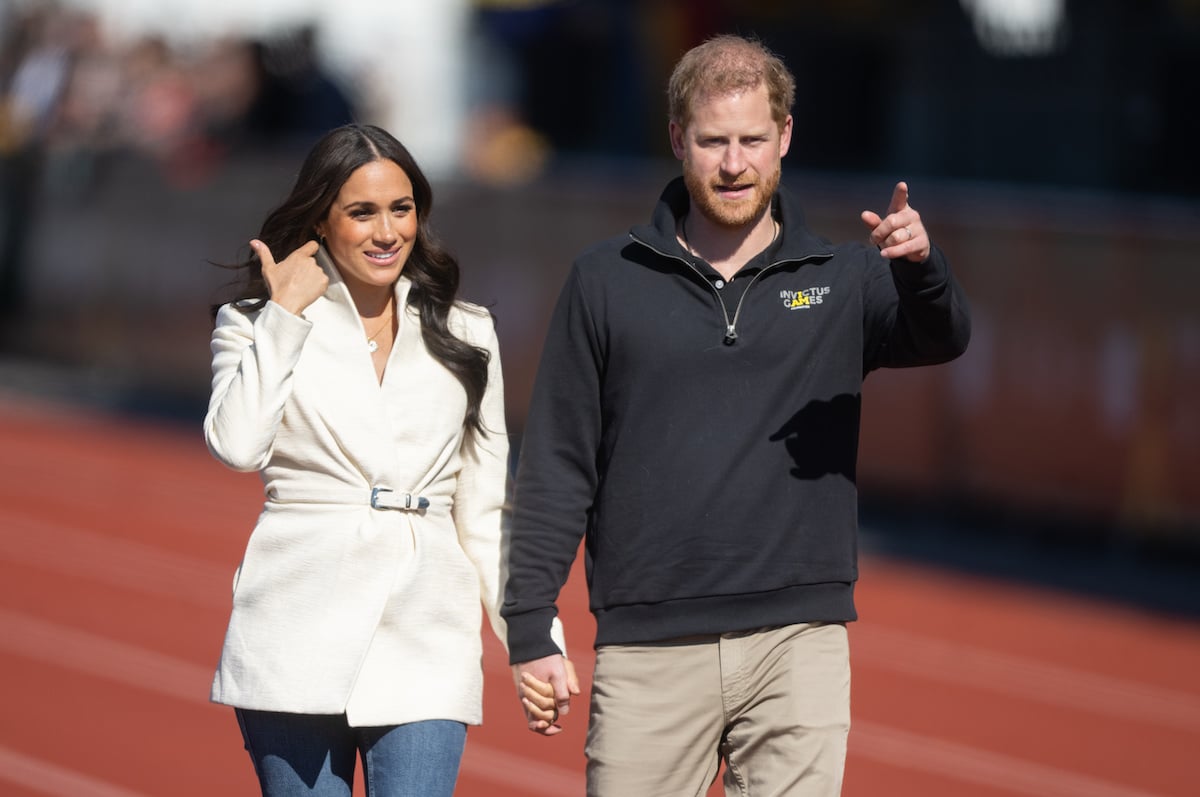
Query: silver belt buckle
column 411, row 502
column 375, row 492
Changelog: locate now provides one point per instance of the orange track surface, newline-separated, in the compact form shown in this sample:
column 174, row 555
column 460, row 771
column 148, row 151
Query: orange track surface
column 118, row 542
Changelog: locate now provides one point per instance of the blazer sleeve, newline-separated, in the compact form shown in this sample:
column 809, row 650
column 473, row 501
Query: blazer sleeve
column 254, row 356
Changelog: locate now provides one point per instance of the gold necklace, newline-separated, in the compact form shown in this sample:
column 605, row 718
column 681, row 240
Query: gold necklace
column 372, row 346
column 688, row 245
column 683, row 234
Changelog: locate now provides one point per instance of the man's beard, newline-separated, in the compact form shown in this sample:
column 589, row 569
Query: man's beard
column 731, row 215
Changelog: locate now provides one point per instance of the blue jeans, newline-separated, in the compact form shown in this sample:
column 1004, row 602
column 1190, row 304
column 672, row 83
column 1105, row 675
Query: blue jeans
column 314, row 755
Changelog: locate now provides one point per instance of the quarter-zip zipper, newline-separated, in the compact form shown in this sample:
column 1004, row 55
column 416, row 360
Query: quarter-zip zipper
column 730, row 326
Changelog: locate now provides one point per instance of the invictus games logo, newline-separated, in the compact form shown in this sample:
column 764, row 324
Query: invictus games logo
column 803, row 300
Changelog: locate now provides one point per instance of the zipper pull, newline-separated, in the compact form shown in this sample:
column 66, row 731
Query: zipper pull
column 730, row 335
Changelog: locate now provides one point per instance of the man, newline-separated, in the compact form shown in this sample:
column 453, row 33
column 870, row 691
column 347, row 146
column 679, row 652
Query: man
column 696, row 415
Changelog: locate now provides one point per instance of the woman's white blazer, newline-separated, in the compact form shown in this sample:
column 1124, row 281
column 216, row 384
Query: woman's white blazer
column 351, row 596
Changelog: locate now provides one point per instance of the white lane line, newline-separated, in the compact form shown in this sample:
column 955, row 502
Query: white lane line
column 46, row 778
column 97, row 557
column 91, row 654
column 952, row 662
column 99, row 657
column 92, row 556
column 168, row 492
column 973, row 765
column 128, row 664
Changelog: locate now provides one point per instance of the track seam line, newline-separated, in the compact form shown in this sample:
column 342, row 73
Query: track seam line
column 130, row 665
column 943, row 661
column 47, row 778
column 962, row 762
column 100, row 558
column 23, row 635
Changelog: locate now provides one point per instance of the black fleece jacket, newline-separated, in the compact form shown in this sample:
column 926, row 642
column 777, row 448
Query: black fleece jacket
column 703, row 435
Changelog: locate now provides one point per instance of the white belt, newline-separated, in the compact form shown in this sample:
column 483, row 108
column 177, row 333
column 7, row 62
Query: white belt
column 382, row 498
column 387, row 498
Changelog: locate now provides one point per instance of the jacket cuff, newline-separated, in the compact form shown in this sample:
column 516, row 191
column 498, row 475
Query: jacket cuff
column 530, row 636
column 917, row 278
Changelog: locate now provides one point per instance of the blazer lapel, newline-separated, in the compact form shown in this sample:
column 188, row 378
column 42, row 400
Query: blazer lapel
column 343, row 376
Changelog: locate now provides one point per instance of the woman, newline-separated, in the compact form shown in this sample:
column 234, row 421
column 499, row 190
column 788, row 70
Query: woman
column 370, row 400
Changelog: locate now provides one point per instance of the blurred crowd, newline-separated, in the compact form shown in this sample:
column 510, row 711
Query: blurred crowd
column 75, row 98
column 69, row 90
column 72, row 100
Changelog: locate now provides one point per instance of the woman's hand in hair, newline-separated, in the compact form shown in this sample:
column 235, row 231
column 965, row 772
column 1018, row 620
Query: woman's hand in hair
column 297, row 281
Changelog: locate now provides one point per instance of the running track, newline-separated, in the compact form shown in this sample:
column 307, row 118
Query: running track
column 118, row 541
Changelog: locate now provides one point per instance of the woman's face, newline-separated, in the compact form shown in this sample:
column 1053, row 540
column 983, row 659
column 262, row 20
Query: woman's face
column 371, row 227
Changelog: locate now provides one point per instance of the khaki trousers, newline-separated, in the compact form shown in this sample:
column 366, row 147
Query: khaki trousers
column 773, row 703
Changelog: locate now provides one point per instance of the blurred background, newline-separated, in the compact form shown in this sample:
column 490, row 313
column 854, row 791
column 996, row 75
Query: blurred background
column 1048, row 144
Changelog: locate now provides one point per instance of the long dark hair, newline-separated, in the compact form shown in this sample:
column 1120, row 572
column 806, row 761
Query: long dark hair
column 432, row 269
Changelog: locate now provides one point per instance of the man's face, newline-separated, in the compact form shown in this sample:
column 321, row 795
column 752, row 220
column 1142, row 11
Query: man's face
column 732, row 152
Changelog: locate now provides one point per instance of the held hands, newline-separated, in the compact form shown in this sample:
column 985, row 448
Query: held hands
column 900, row 234
column 545, row 687
column 295, row 283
